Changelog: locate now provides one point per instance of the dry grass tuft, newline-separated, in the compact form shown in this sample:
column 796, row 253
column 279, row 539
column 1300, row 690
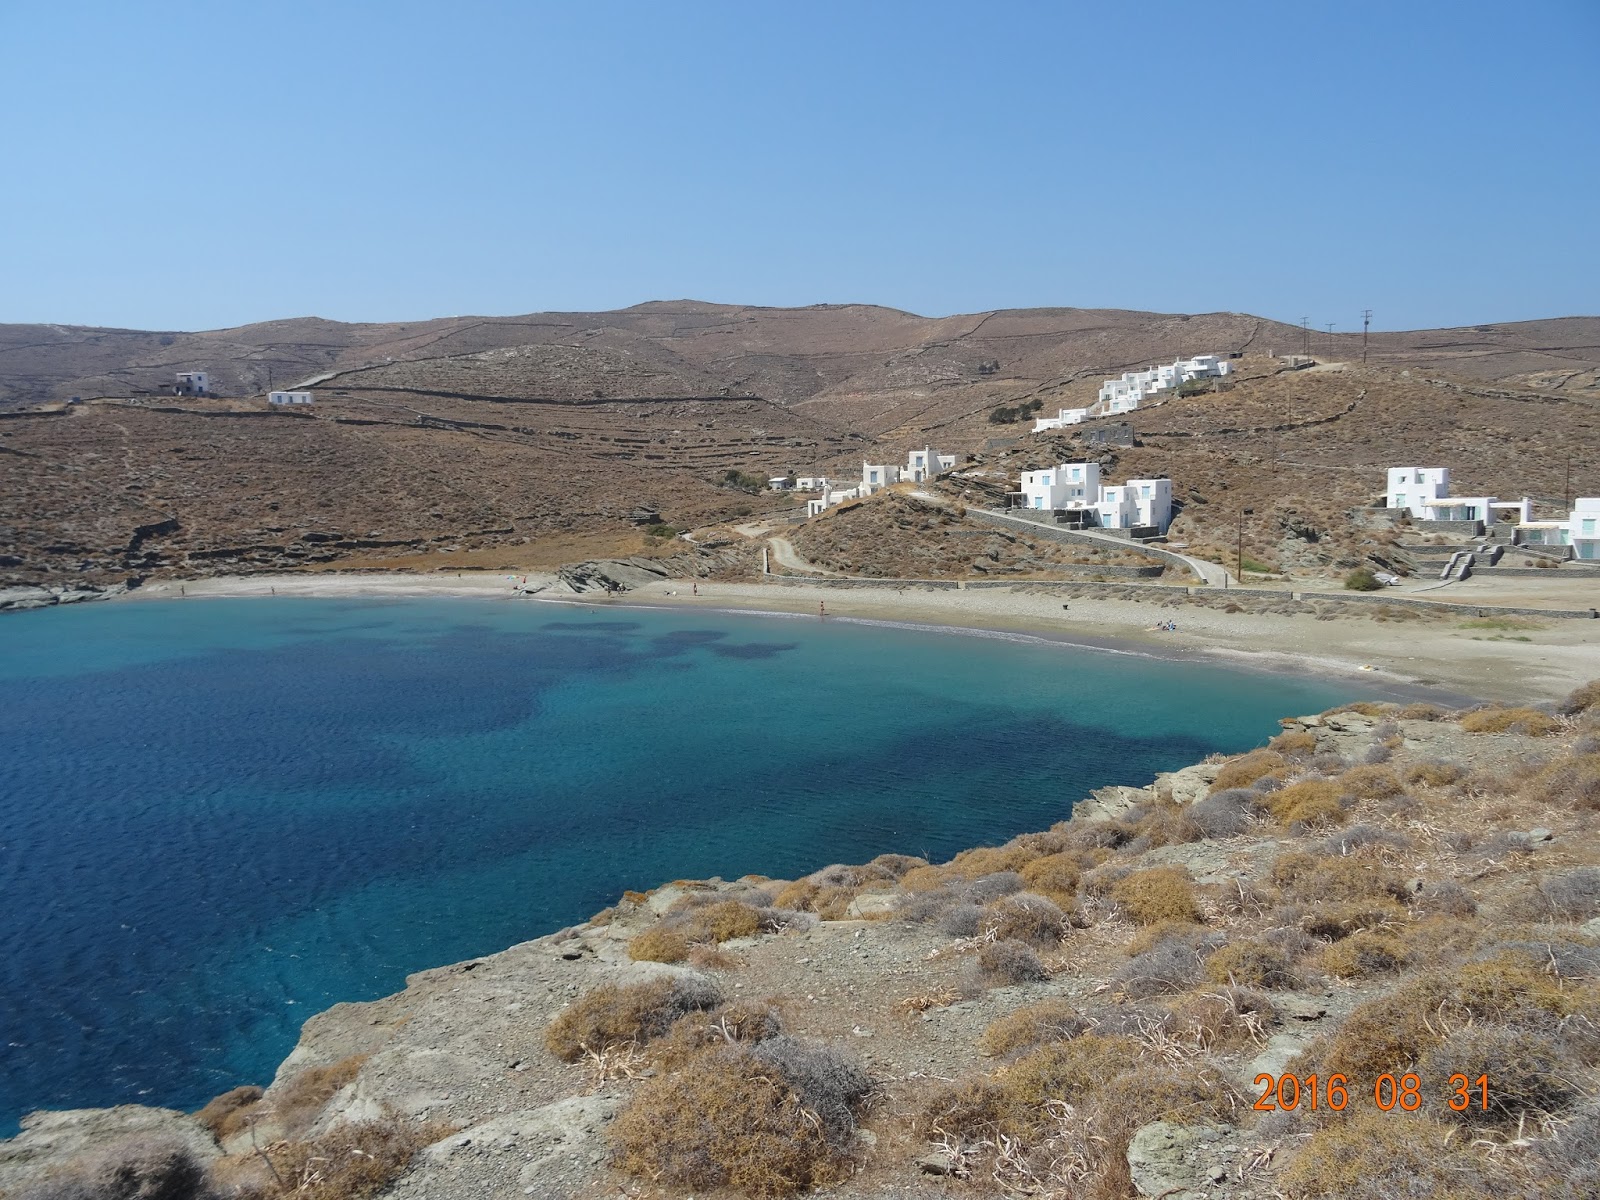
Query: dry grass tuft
column 1254, row 964
column 1011, row 962
column 1025, row 918
column 1529, row 722
column 626, row 1015
column 1371, row 783
column 1362, row 954
column 1157, row 894
column 1435, row 773
column 1294, row 743
column 1242, row 772
column 1054, row 876
column 300, row 1100
column 659, row 944
column 229, row 1113
column 760, row 1124
column 1374, row 1155
column 1309, row 802
column 1032, row 1025
column 989, row 860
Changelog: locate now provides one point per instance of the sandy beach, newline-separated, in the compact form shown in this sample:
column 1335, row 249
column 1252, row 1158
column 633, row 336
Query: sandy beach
column 1448, row 655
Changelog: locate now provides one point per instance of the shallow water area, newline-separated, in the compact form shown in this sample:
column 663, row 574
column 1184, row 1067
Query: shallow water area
column 219, row 817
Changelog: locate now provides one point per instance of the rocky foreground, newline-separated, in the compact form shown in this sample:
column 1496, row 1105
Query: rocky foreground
column 1385, row 897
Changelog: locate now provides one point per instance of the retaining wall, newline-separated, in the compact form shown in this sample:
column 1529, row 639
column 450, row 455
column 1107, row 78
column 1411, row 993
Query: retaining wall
column 1056, row 533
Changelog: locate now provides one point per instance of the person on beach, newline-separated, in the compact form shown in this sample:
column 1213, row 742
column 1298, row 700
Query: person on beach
column 822, row 608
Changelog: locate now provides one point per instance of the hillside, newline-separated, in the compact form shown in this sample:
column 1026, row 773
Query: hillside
column 500, row 435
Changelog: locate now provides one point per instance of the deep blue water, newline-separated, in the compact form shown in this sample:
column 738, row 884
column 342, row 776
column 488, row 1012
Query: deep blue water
column 219, row 817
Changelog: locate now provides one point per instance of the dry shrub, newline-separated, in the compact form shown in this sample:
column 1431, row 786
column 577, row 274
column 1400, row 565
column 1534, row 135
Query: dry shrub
column 1356, row 837
column 1439, row 941
column 1025, row 918
column 1157, row 894
column 1343, row 919
column 1582, row 699
column 1242, row 772
column 138, row 1168
column 659, row 943
column 1171, row 965
column 1527, row 1071
column 229, row 1113
column 743, row 1021
column 1148, row 937
column 1294, row 743
column 923, row 879
column 1032, row 1025
column 1446, row 899
column 1435, row 773
column 1220, row 1020
column 988, row 860
column 1160, row 823
column 1345, row 877
column 1226, row 812
column 349, row 1162
column 1103, row 879
column 1527, row 721
column 614, row 1015
column 1374, row 1155
column 1574, row 781
column 1420, row 712
column 1364, row 708
column 992, row 887
column 1362, row 954
column 1251, row 964
column 734, row 1118
column 1013, row 1100
column 1371, row 783
column 898, row 864
column 711, row 958
column 1011, row 962
column 1183, row 1094
column 725, row 921
column 300, row 1100
column 1309, row 802
column 1054, row 876
column 1573, row 896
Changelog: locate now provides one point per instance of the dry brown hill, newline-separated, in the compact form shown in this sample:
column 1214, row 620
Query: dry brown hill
column 493, row 432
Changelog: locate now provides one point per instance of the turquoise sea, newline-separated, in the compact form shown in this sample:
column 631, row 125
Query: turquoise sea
column 218, row 817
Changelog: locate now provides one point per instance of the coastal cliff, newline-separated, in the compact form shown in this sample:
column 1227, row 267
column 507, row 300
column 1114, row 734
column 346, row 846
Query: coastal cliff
column 1384, row 891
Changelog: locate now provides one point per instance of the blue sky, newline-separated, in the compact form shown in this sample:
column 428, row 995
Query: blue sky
column 198, row 165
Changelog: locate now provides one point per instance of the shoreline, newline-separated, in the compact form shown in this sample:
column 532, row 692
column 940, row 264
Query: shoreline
column 1436, row 660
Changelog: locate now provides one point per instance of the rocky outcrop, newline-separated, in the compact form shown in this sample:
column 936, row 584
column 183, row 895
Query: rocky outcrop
column 609, row 575
column 15, row 599
column 50, row 1139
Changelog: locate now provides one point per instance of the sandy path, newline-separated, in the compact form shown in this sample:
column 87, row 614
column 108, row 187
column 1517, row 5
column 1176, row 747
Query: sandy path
column 1443, row 654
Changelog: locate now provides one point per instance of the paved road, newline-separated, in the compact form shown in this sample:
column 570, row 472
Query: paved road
column 784, row 554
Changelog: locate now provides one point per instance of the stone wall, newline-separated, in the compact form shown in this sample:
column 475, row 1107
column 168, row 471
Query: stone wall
column 1039, row 528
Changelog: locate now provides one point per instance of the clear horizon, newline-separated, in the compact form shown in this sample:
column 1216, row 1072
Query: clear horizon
column 187, row 167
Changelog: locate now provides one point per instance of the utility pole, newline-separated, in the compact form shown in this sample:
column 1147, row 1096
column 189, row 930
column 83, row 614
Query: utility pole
column 1566, row 487
column 1305, row 328
column 1366, row 319
column 1242, row 513
column 1330, row 340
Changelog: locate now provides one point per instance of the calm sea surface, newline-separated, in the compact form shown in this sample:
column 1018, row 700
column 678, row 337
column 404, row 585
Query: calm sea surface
column 219, row 817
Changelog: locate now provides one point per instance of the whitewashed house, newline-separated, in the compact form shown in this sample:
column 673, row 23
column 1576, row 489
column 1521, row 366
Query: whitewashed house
column 877, row 476
column 192, row 383
column 811, row 483
column 1424, row 493
column 283, row 398
column 1069, row 485
column 926, row 463
column 1123, row 394
column 1580, row 531
column 831, row 497
column 1139, row 502
column 779, row 483
column 1585, row 521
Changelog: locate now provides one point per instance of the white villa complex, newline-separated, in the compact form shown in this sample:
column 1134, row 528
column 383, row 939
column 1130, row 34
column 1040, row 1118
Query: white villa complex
column 920, row 465
column 1581, row 530
column 1124, row 394
column 1424, row 494
column 1076, row 487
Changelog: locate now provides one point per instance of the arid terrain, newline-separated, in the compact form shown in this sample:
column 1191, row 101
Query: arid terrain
column 497, row 437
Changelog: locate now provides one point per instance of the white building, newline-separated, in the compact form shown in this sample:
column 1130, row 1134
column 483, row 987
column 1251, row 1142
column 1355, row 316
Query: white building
column 1070, row 485
column 191, row 383
column 877, row 476
column 1139, row 502
column 830, row 497
column 926, row 463
column 288, row 397
column 1063, row 418
column 779, row 483
column 1581, row 530
column 811, row 483
column 1424, row 493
